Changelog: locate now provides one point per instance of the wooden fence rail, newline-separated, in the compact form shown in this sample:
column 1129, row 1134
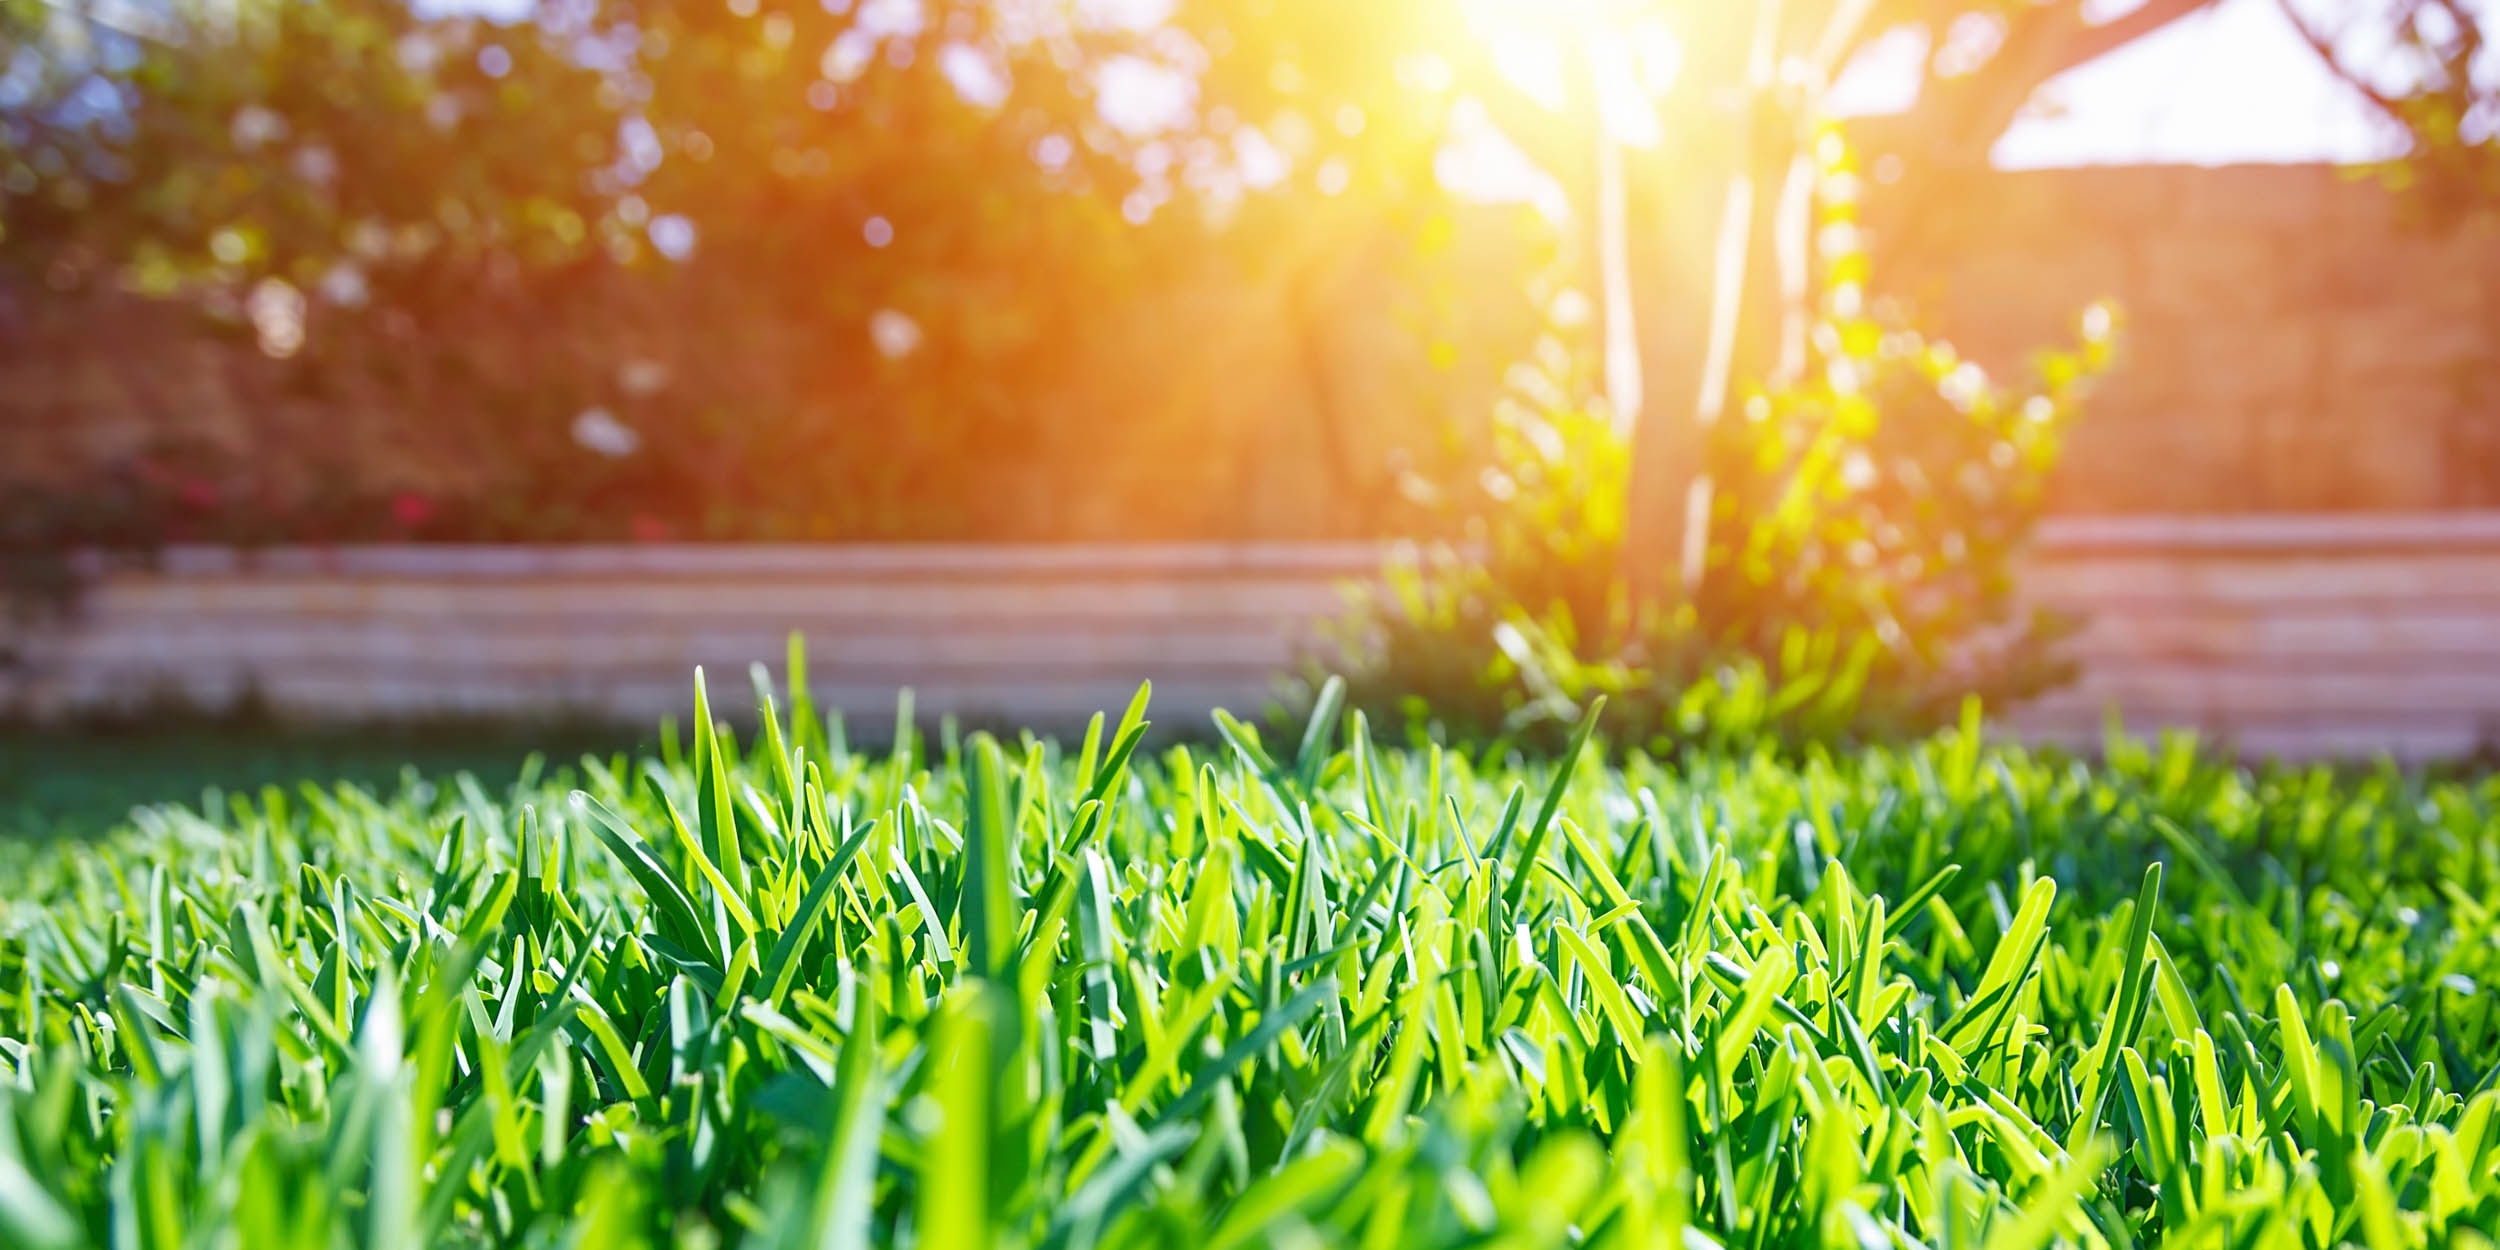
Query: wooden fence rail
column 2295, row 635
column 2301, row 636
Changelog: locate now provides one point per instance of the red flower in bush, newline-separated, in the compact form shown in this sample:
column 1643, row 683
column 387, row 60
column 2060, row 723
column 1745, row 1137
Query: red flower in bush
column 411, row 509
column 647, row 528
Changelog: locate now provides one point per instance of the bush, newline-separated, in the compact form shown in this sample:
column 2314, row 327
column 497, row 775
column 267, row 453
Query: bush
column 783, row 991
column 1859, row 581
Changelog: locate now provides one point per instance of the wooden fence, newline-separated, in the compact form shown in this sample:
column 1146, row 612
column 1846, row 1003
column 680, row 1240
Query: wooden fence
column 2293, row 635
column 1029, row 635
column 2300, row 636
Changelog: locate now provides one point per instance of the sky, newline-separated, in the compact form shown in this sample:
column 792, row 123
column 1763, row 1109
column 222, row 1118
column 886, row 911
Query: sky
column 2231, row 85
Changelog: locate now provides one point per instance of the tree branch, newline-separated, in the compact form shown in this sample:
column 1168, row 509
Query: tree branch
column 1957, row 120
column 2085, row 44
column 2046, row 42
column 2324, row 47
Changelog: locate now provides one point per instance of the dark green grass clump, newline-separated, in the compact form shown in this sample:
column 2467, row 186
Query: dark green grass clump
column 82, row 779
column 786, row 993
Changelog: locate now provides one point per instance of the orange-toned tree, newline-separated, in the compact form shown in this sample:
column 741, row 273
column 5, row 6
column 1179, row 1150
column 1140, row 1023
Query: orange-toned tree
column 1877, row 488
column 953, row 171
column 872, row 239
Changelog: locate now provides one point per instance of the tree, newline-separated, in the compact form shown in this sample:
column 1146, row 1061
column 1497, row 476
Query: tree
column 831, row 162
column 216, row 149
column 2428, row 66
column 1701, row 222
column 1704, row 207
column 1749, row 255
column 863, row 235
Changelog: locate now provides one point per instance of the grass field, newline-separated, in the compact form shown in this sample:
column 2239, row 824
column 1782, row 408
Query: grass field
column 83, row 780
column 1294, row 992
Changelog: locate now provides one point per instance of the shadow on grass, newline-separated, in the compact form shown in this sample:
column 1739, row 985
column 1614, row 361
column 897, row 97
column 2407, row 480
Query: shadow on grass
column 81, row 779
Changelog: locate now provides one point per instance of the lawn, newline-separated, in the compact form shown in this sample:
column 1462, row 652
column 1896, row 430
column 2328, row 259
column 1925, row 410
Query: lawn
column 1279, row 990
column 82, row 780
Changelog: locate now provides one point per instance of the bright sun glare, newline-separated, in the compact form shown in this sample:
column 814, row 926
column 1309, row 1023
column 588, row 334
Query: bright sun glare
column 1627, row 52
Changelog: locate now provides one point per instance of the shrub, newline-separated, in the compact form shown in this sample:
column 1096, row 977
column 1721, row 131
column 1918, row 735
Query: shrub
column 1860, row 576
column 783, row 991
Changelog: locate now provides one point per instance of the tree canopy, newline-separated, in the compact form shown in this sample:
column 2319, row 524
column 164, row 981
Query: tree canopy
column 890, row 221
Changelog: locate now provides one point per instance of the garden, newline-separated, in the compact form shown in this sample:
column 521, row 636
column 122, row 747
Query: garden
column 1642, row 857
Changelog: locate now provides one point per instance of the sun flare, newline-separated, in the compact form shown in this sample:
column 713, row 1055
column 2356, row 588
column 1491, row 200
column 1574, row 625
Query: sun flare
column 1624, row 52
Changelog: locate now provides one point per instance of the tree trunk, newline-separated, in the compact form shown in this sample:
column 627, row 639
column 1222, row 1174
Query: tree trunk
column 1724, row 248
column 1712, row 295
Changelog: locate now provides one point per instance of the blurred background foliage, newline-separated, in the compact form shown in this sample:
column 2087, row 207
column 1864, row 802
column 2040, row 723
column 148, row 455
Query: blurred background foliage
column 910, row 269
column 759, row 269
column 629, row 264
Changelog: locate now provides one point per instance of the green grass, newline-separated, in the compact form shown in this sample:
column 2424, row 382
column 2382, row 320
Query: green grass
column 781, row 992
column 83, row 780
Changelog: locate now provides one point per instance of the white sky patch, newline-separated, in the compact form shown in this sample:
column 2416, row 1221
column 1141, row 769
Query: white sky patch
column 977, row 76
column 1123, row 14
column 891, row 19
column 500, row 12
column 642, row 377
column 1628, row 113
column 598, row 430
column 1422, row 71
column 2367, row 42
column 848, row 56
column 1140, row 97
column 672, row 235
column 1882, row 78
column 1657, row 55
column 1535, row 64
column 641, row 145
column 1479, row 162
column 417, row 54
column 254, row 126
column 315, row 163
column 2232, row 85
column 1531, row 51
column 344, row 285
column 895, row 334
column 277, row 312
column 1261, row 162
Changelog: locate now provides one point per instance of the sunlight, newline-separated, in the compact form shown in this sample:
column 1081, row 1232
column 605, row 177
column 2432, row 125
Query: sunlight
column 1625, row 53
column 1625, row 57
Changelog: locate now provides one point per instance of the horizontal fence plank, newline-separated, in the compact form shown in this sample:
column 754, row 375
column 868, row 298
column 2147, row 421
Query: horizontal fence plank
column 2153, row 582
column 1184, row 701
column 397, row 688
column 772, row 604
column 2296, row 635
column 2258, row 533
column 532, row 646
column 738, row 561
column 2426, row 636
column 2234, row 694
column 2410, row 742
